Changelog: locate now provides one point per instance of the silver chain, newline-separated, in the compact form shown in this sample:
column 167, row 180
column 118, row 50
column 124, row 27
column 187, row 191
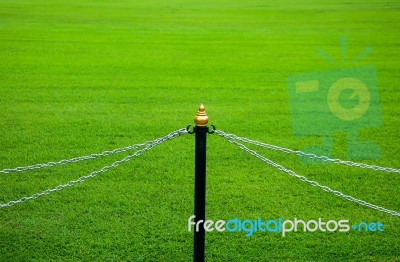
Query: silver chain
column 75, row 159
column 233, row 140
column 148, row 145
column 309, row 155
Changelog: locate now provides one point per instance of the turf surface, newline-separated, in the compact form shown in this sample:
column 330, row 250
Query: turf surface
column 79, row 77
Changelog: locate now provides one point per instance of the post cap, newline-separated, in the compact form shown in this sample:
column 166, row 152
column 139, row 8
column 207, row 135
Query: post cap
column 201, row 118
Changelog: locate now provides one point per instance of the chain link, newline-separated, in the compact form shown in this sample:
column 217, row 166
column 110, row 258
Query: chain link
column 149, row 145
column 232, row 139
column 312, row 156
column 75, row 159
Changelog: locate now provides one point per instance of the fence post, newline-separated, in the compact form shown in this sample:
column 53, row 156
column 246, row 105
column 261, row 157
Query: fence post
column 201, row 129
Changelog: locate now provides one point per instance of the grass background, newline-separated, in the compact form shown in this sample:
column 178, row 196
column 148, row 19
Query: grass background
column 78, row 77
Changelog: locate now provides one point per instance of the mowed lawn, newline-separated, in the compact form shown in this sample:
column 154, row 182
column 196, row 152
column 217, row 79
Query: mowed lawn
column 83, row 76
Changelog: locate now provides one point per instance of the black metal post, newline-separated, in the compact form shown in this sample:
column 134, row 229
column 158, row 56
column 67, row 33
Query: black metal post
column 201, row 129
column 200, row 191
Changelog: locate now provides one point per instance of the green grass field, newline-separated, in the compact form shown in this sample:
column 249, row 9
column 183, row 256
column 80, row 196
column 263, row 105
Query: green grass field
column 81, row 77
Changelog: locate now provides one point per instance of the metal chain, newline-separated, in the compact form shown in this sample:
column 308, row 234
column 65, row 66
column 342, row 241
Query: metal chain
column 304, row 179
column 149, row 145
column 312, row 156
column 75, row 159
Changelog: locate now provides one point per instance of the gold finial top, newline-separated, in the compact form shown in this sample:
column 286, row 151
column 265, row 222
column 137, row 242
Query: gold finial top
column 201, row 118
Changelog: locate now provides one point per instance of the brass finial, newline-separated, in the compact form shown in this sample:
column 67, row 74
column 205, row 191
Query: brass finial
column 201, row 118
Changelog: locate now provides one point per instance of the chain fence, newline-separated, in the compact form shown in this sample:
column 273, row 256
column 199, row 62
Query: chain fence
column 309, row 155
column 233, row 139
column 147, row 146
